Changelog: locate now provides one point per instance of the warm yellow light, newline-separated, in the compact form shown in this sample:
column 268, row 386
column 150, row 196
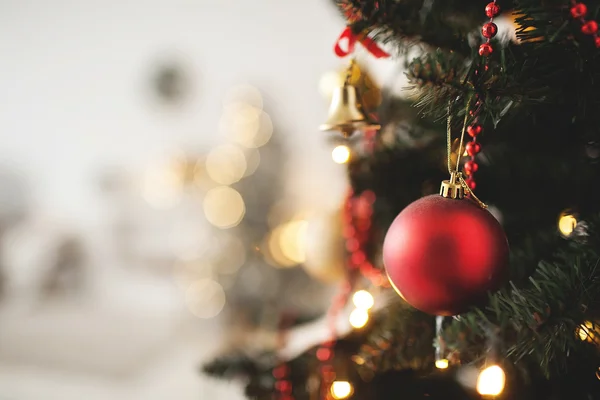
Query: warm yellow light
column 588, row 331
column 273, row 252
column 205, row 298
column 341, row 390
column 566, row 224
column 491, row 381
column 162, row 186
column 292, row 240
column 359, row 318
column 224, row 207
column 226, row 164
column 252, row 161
column 363, row 299
column 441, row 364
column 246, row 125
column 341, row 154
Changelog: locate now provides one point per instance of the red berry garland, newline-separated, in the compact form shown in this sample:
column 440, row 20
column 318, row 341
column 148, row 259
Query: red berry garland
column 588, row 27
column 357, row 219
column 489, row 29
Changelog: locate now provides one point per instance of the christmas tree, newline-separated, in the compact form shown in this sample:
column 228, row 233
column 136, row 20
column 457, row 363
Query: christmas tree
column 511, row 126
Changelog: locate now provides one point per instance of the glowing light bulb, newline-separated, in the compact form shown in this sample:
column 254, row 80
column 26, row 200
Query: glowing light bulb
column 363, row 300
column 567, row 224
column 491, row 381
column 359, row 318
column 441, row 364
column 341, row 389
column 588, row 331
column 341, row 154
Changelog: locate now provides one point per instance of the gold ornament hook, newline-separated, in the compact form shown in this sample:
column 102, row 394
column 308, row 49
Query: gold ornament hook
column 456, row 187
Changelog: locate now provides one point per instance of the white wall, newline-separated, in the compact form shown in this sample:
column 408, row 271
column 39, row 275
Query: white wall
column 74, row 80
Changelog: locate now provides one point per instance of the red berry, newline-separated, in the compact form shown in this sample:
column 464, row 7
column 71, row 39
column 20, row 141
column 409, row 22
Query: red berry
column 485, row 49
column 597, row 41
column 471, row 167
column 489, row 30
column 590, row 27
column 473, row 148
column 474, row 130
column 492, row 9
column 578, row 10
column 471, row 183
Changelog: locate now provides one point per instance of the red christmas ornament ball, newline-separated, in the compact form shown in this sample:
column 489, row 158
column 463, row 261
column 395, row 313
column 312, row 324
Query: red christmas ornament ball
column 443, row 255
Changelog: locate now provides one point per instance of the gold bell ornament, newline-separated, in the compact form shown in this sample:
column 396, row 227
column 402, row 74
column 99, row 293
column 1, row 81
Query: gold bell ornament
column 346, row 113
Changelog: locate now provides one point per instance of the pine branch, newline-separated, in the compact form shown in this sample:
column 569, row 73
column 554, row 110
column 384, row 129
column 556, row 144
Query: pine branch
column 538, row 321
column 438, row 24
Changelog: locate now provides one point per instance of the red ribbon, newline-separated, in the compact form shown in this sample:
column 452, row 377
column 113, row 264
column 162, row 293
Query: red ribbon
column 363, row 39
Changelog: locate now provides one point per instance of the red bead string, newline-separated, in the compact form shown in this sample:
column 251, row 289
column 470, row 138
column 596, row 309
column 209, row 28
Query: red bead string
column 588, row 27
column 357, row 230
column 283, row 385
column 489, row 30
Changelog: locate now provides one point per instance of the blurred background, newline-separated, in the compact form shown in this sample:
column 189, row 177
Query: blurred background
column 161, row 171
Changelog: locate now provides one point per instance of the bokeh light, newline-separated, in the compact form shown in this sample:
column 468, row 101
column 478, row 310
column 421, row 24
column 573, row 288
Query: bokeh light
column 359, row 318
column 441, row 364
column 363, row 299
column 491, row 381
column 341, row 390
column 272, row 250
column 292, row 240
column 205, row 298
column 567, row 224
column 246, row 125
column 328, row 82
column 341, row 154
column 224, row 207
column 226, row 164
column 252, row 161
column 162, row 185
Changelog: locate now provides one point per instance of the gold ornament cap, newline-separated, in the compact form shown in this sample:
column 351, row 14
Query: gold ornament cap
column 452, row 188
